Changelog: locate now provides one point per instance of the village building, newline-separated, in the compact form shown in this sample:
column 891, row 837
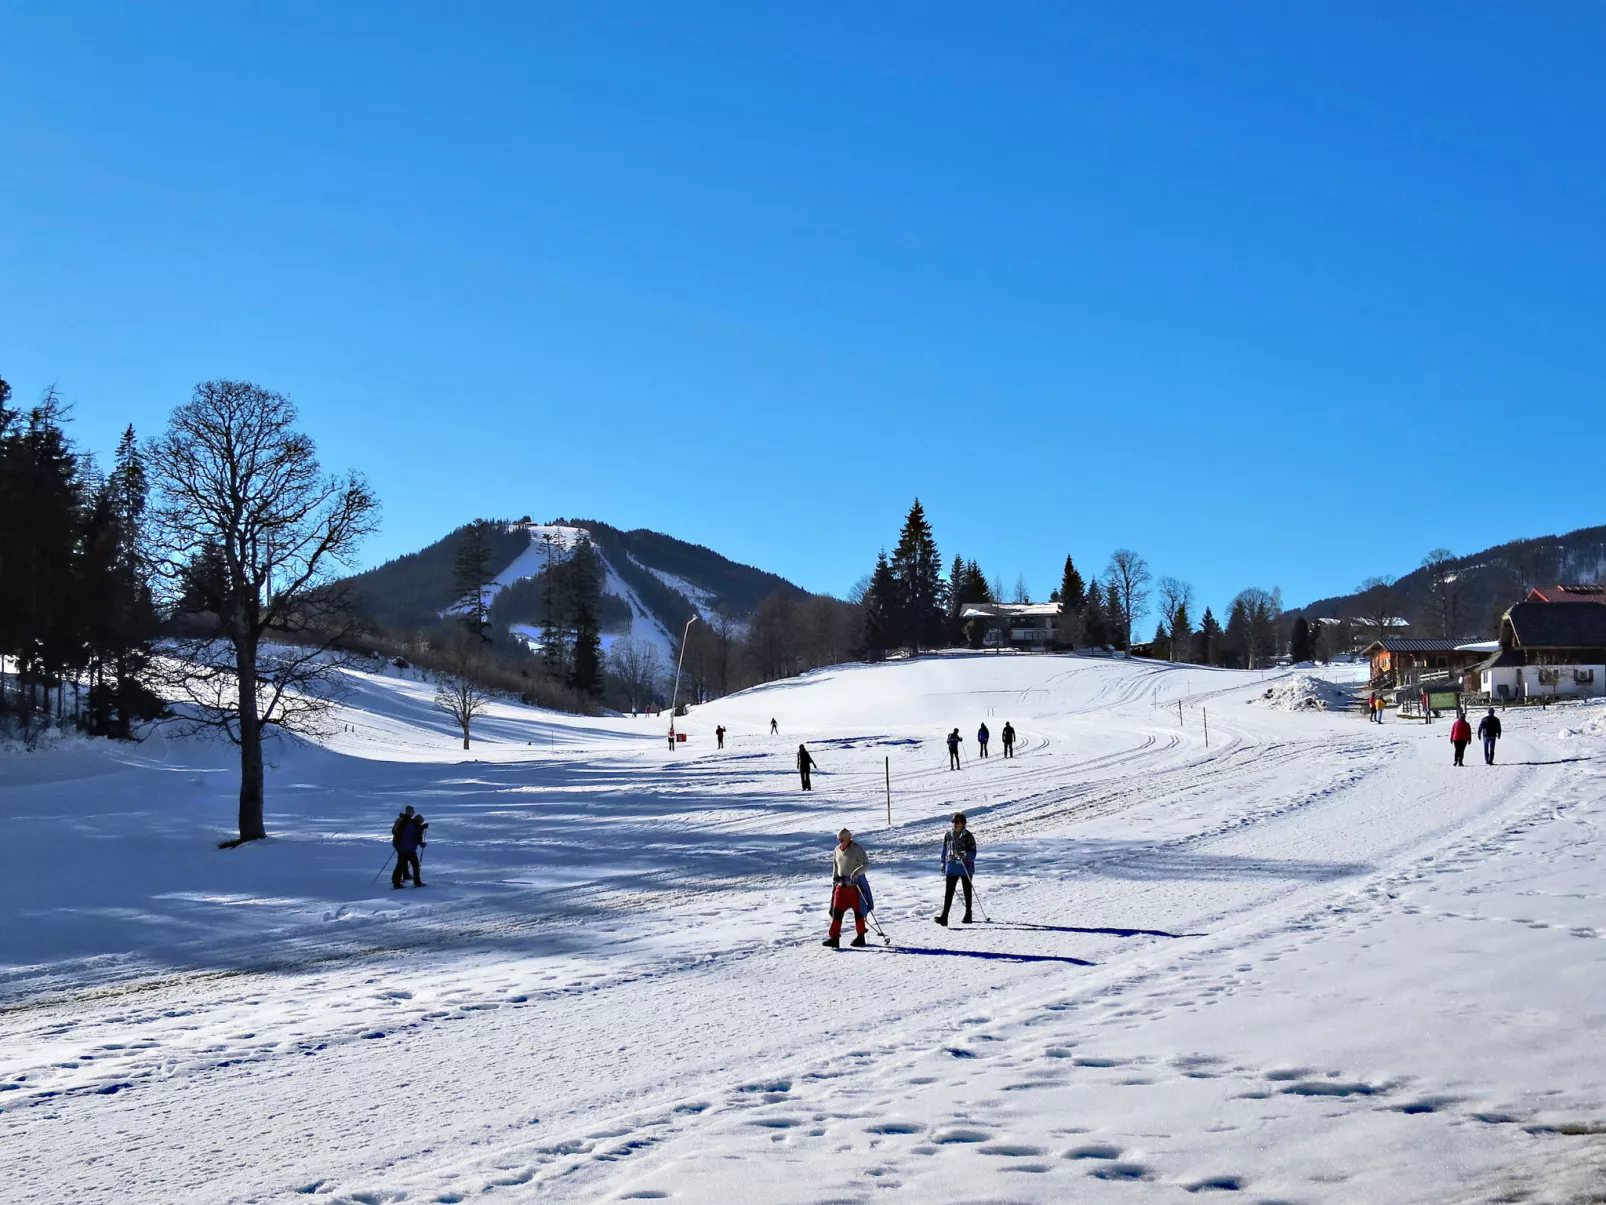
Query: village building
column 1547, row 651
column 1568, row 594
column 1033, row 626
column 1404, row 661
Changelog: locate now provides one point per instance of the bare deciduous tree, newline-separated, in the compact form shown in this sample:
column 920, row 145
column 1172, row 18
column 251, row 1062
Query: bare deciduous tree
column 1127, row 580
column 1176, row 602
column 249, row 531
column 458, row 689
column 1380, row 601
column 1440, row 568
column 638, row 667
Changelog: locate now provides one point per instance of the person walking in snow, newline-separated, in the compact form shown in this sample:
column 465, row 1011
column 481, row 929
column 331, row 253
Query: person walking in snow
column 958, row 864
column 1009, row 739
column 774, row 727
column 805, row 763
column 982, row 736
column 671, row 740
column 1460, row 737
column 848, row 864
column 953, row 749
column 407, row 836
column 719, row 735
column 1489, row 733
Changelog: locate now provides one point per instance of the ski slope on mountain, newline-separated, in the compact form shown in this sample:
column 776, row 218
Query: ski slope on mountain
column 1301, row 959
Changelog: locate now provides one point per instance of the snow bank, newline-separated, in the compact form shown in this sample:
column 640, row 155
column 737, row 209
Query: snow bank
column 1303, row 692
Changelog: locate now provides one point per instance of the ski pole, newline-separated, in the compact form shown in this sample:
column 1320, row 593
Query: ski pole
column 388, row 857
column 976, row 891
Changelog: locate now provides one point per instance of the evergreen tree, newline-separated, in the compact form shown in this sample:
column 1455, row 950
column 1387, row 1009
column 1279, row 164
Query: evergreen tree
column 1181, row 634
column 1301, row 649
column 1095, row 623
column 1162, row 642
column 1207, row 643
column 581, row 593
column 1072, row 600
column 1236, row 639
column 922, row 594
column 879, row 610
column 472, row 577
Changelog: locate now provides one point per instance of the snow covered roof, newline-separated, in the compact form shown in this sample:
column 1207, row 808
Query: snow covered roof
column 1478, row 646
column 1413, row 644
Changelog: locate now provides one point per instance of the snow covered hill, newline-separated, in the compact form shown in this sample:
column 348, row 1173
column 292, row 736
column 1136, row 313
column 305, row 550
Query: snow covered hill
column 657, row 581
column 1303, row 959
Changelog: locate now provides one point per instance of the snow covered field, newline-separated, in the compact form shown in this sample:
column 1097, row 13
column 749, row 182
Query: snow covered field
column 1311, row 962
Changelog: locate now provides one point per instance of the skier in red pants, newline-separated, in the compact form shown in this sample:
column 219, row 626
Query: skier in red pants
column 848, row 864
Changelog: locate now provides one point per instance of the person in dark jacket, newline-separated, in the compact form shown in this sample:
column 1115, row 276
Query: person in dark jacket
column 407, row 835
column 719, row 735
column 1009, row 739
column 953, row 749
column 805, row 763
column 982, row 737
column 958, row 864
column 774, row 727
column 1489, row 733
column 1460, row 737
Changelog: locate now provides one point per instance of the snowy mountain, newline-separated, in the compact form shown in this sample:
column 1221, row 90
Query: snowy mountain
column 1485, row 582
column 653, row 582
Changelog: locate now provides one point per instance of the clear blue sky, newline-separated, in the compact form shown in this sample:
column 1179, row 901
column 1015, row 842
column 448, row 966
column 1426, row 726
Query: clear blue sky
column 1282, row 295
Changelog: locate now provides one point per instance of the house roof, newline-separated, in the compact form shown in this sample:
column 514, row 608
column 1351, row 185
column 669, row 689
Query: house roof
column 1501, row 660
column 1545, row 625
column 1568, row 594
column 1411, row 644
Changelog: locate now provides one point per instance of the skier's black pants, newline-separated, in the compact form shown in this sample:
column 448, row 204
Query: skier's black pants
column 1488, row 750
column 805, row 773
column 406, row 867
column 953, row 759
column 1009, row 748
column 984, row 748
column 948, row 893
column 1460, row 752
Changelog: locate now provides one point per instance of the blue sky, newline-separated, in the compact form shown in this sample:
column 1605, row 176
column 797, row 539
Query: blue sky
column 1277, row 295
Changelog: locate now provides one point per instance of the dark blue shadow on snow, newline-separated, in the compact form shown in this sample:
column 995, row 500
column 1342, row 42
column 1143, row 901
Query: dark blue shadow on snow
column 1010, row 924
column 999, row 957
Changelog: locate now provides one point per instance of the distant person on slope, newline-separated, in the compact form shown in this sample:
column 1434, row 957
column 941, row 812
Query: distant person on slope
column 1009, row 739
column 982, row 736
column 407, row 835
column 774, row 727
column 1489, row 733
column 719, row 735
column 958, row 864
column 671, row 740
column 953, row 749
column 1460, row 737
column 805, row 763
column 848, row 864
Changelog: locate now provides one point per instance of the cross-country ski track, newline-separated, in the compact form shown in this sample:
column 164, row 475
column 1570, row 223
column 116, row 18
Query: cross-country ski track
column 1309, row 962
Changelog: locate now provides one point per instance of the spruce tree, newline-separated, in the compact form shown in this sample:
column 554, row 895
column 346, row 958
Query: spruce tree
column 1072, row 600
column 583, row 594
column 922, row 594
column 1209, row 640
column 1236, row 639
column 878, row 610
column 1181, row 634
column 472, row 577
column 1301, row 649
column 1095, row 623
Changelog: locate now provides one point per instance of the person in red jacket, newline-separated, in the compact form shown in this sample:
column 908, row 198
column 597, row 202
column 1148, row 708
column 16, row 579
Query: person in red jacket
column 1460, row 737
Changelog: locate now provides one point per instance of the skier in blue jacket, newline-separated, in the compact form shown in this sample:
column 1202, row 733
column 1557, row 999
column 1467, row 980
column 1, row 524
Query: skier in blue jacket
column 958, row 864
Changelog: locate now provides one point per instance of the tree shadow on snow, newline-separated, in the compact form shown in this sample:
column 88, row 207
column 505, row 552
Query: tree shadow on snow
column 990, row 954
column 1110, row 932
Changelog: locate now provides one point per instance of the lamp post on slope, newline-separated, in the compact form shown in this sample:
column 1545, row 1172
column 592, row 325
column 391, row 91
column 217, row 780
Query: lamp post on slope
column 674, row 699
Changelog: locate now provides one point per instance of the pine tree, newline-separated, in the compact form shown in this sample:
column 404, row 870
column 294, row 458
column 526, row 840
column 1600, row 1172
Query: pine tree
column 1301, row 650
column 1236, row 639
column 922, row 594
column 1181, row 634
column 878, row 607
column 583, row 594
column 1095, row 623
column 1072, row 599
column 472, row 577
column 1208, row 642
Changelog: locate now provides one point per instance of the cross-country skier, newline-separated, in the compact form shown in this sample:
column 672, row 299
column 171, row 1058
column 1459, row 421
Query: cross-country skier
column 805, row 763
column 719, row 735
column 407, row 835
column 1009, row 739
column 958, row 864
column 848, row 864
column 982, row 736
column 1489, row 732
column 953, row 749
column 774, row 727
column 1460, row 737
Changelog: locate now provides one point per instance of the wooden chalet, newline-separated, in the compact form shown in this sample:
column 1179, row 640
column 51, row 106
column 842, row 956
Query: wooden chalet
column 1547, row 651
column 1401, row 661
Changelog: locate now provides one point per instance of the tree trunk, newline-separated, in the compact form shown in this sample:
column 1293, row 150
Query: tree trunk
column 251, row 827
column 465, row 734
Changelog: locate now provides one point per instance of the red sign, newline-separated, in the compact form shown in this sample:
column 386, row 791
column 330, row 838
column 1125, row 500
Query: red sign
column 680, row 736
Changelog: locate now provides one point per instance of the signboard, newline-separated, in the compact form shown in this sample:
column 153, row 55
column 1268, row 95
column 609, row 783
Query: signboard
column 1443, row 700
column 679, row 737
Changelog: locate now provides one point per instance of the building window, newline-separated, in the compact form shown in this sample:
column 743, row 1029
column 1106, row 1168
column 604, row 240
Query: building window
column 1549, row 676
column 1584, row 677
